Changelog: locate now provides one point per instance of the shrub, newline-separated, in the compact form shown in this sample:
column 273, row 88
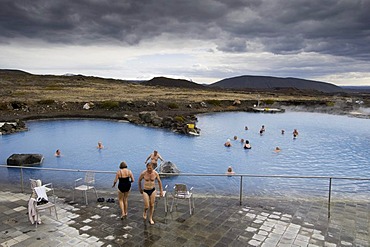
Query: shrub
column 180, row 119
column 46, row 102
column 3, row 106
column 269, row 101
column 330, row 103
column 213, row 102
column 109, row 104
column 173, row 105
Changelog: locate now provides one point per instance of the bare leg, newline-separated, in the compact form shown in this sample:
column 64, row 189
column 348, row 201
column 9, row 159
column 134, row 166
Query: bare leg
column 121, row 204
column 146, row 204
column 125, row 202
column 151, row 212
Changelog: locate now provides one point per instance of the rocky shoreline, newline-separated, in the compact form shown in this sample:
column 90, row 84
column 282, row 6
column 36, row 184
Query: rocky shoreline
column 179, row 117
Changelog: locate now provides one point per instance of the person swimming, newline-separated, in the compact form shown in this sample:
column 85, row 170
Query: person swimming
column 230, row 171
column 295, row 133
column 58, row 153
column 247, row 145
column 100, row 145
column 277, row 149
column 262, row 130
column 227, row 143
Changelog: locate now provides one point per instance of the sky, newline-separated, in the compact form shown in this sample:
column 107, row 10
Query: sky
column 199, row 40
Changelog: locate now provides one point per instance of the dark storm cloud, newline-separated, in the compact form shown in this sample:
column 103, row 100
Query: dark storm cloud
column 336, row 27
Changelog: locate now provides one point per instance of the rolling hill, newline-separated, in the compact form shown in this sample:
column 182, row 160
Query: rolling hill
column 169, row 82
column 267, row 82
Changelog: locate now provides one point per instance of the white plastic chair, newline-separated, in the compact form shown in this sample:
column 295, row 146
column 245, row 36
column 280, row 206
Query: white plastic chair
column 48, row 188
column 158, row 195
column 41, row 192
column 85, row 184
column 180, row 191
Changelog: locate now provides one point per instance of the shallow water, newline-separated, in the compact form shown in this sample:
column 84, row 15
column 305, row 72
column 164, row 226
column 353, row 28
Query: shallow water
column 327, row 145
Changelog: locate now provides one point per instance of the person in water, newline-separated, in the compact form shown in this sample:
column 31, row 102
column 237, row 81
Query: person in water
column 282, row 132
column 125, row 178
column 277, row 149
column 58, row 153
column 100, row 145
column 149, row 176
column 154, row 158
column 295, row 133
column 262, row 130
column 227, row 143
column 230, row 171
column 247, row 145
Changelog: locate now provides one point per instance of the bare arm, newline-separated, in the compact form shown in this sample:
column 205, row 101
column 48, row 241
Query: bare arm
column 141, row 178
column 159, row 183
column 115, row 180
column 147, row 158
column 132, row 177
column 160, row 157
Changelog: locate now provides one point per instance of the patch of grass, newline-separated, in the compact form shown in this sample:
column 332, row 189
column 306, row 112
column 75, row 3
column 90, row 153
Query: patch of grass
column 330, row 103
column 53, row 87
column 109, row 104
column 173, row 106
column 19, row 94
column 213, row 102
column 46, row 102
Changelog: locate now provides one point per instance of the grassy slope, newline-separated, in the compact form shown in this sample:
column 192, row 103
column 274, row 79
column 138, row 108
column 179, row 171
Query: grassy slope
column 30, row 88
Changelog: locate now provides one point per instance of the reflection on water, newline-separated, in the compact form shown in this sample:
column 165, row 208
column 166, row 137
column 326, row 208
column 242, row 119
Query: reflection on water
column 327, row 145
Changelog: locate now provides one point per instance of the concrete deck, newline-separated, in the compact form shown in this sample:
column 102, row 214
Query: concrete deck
column 215, row 222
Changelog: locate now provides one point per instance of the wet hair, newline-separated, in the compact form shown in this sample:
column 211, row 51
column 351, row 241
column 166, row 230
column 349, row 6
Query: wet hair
column 247, row 142
column 149, row 164
column 229, row 169
column 123, row 165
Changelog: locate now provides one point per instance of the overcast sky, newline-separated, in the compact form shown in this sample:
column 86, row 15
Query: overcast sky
column 199, row 40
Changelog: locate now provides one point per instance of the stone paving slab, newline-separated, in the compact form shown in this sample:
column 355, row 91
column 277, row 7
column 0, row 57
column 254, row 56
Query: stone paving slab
column 217, row 221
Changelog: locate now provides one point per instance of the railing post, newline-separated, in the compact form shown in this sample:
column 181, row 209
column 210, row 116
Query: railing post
column 329, row 199
column 241, row 190
column 22, row 187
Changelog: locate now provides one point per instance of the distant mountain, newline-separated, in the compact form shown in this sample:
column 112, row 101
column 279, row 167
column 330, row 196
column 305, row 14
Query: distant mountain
column 13, row 72
column 359, row 89
column 169, row 82
column 246, row 82
column 267, row 82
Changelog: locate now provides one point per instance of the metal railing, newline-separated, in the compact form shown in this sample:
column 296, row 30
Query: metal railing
column 328, row 178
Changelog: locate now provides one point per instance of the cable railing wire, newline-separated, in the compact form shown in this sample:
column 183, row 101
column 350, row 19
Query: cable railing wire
column 241, row 176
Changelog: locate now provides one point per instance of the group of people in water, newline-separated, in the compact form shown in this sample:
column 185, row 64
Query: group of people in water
column 58, row 153
column 247, row 145
column 125, row 177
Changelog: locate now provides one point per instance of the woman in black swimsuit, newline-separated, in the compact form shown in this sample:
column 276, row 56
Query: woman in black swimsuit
column 125, row 178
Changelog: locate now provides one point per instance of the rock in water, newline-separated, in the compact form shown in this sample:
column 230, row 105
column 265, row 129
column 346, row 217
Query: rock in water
column 168, row 167
column 25, row 159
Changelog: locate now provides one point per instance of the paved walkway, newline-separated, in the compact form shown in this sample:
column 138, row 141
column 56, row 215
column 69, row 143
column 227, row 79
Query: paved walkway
column 215, row 222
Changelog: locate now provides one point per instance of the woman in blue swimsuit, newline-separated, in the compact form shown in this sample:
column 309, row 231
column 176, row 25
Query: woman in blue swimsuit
column 125, row 178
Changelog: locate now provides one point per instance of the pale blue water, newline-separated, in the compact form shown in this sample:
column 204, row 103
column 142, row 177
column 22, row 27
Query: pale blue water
column 327, row 145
